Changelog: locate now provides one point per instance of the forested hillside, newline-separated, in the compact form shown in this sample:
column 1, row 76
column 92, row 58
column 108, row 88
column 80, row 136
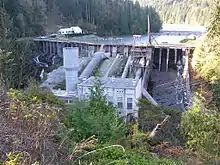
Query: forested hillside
column 22, row 18
column 202, row 122
column 182, row 11
column 38, row 128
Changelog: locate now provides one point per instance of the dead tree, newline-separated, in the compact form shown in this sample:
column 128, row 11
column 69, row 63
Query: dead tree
column 158, row 127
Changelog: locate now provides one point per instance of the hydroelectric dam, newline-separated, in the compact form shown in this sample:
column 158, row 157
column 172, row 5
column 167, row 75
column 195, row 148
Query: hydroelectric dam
column 127, row 71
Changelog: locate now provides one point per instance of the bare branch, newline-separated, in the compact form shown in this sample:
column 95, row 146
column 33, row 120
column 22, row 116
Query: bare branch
column 158, row 127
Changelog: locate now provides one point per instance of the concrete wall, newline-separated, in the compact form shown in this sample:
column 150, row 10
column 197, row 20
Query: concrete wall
column 56, row 48
column 138, row 95
column 163, row 57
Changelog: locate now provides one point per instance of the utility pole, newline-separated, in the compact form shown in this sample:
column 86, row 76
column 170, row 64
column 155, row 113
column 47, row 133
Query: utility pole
column 148, row 23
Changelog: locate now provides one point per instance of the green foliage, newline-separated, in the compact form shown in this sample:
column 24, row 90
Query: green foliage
column 95, row 117
column 26, row 19
column 146, row 111
column 182, row 11
column 138, row 143
column 150, row 116
column 15, row 66
column 16, row 159
column 5, row 62
column 201, row 128
column 206, row 58
column 116, row 156
column 36, row 17
column 13, row 159
column 215, row 88
column 28, row 108
column 117, row 17
column 200, row 125
column 33, row 105
column 31, row 117
column 44, row 95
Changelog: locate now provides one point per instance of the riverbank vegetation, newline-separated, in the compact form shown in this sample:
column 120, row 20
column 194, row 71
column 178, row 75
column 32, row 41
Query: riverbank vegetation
column 204, row 132
column 16, row 64
column 37, row 128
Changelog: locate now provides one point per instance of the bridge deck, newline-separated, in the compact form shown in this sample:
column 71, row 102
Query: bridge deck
column 99, row 43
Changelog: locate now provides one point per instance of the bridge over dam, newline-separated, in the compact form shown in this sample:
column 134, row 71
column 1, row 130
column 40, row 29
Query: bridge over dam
column 162, row 69
column 164, row 55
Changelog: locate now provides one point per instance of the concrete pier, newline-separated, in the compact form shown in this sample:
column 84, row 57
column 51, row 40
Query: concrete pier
column 114, row 51
column 160, row 59
column 126, row 51
column 54, row 48
column 44, row 47
column 168, row 56
column 50, row 48
column 107, row 48
column 175, row 59
column 91, row 51
column 59, row 47
column 174, row 52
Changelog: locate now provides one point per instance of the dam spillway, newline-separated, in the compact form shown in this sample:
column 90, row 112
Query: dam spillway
column 160, row 58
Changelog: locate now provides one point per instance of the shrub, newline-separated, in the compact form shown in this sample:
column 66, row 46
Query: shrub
column 201, row 128
column 115, row 155
column 33, row 122
column 18, row 159
column 94, row 117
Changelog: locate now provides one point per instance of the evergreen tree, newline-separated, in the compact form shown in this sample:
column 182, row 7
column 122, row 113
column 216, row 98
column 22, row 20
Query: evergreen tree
column 110, row 17
column 206, row 59
column 95, row 117
column 182, row 11
column 200, row 125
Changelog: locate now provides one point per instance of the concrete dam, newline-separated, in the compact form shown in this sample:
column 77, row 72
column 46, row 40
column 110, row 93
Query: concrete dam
column 129, row 72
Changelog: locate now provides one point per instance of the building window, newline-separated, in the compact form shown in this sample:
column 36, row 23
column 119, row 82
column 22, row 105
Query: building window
column 120, row 102
column 129, row 103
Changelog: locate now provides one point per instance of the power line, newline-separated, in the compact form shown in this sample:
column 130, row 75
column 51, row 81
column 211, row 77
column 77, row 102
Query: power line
column 191, row 84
